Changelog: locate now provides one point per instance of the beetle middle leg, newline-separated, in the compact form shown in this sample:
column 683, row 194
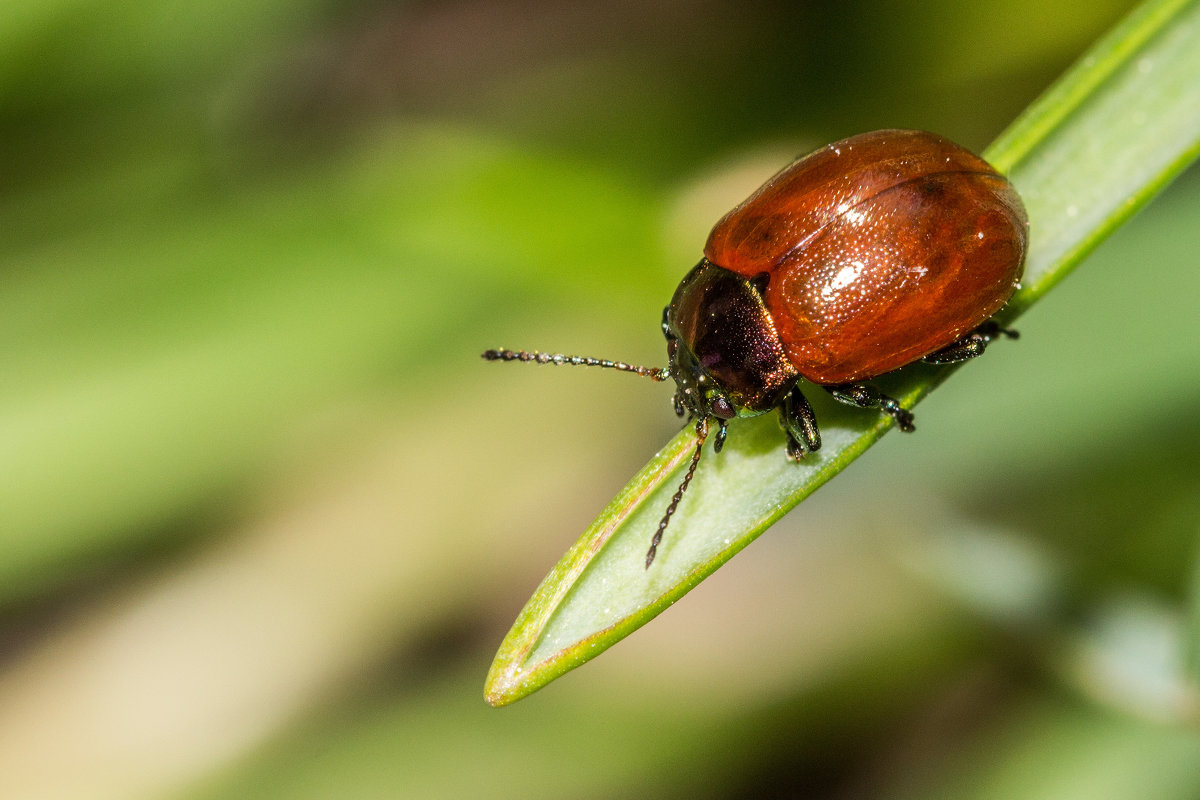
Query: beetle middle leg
column 797, row 418
column 970, row 346
column 864, row 395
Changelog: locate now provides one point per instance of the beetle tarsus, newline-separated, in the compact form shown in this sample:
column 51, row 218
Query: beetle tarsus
column 722, row 430
column 864, row 395
column 677, row 404
column 972, row 345
column 800, row 422
column 903, row 417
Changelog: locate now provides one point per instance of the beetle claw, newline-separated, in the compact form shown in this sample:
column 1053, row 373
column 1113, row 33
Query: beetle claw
column 795, row 450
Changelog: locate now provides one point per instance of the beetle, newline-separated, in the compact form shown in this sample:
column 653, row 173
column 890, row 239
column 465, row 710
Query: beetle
column 871, row 253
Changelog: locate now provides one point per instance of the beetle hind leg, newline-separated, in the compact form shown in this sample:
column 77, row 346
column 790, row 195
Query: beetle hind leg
column 864, row 395
column 797, row 419
column 970, row 346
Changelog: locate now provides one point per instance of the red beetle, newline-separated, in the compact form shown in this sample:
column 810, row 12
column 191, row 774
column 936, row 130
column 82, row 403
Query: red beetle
column 869, row 254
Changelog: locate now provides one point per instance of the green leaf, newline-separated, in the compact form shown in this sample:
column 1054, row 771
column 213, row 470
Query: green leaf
column 1191, row 643
column 1096, row 147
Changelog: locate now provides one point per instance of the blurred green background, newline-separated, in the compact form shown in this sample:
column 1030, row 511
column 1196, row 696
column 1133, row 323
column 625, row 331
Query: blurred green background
column 265, row 515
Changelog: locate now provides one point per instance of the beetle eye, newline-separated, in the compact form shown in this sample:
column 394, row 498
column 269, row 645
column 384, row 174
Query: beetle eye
column 672, row 347
column 721, row 408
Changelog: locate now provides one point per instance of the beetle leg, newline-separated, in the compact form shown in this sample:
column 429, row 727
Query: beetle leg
column 677, row 404
column 971, row 345
column 866, row 396
column 719, row 441
column 800, row 423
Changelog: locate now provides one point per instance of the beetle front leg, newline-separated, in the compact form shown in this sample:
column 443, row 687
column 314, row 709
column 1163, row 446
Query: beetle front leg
column 800, row 423
column 970, row 346
column 677, row 404
column 864, row 395
column 719, row 440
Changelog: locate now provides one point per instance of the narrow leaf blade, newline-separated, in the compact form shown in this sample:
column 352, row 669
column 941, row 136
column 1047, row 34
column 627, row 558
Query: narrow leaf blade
column 1092, row 150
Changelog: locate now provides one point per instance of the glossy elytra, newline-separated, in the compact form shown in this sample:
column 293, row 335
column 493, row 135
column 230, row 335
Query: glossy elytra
column 869, row 254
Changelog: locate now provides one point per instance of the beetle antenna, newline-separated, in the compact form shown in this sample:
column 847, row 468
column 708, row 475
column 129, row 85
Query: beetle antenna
column 501, row 354
column 701, row 435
